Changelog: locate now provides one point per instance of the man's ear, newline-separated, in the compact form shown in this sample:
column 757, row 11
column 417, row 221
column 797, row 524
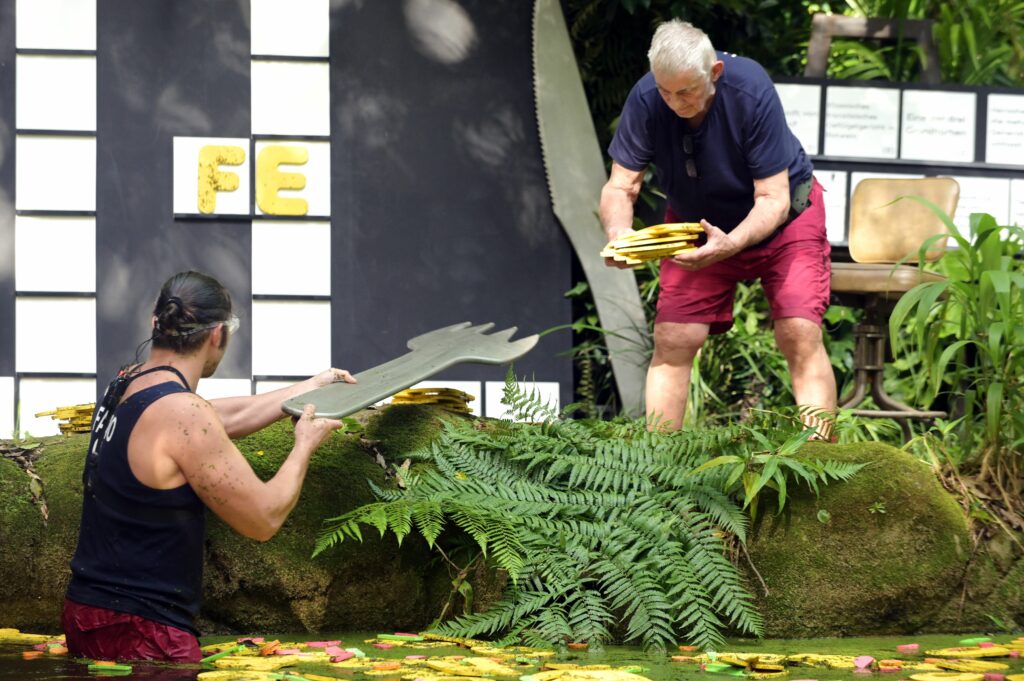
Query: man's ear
column 216, row 336
column 716, row 70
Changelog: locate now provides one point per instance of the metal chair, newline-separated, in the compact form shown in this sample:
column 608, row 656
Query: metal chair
column 885, row 231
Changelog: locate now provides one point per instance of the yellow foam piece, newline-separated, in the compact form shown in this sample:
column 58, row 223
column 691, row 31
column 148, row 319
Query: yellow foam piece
column 970, row 651
column 473, row 666
column 587, row 675
column 269, row 663
column 18, row 637
column 947, row 676
column 975, row 666
column 235, row 675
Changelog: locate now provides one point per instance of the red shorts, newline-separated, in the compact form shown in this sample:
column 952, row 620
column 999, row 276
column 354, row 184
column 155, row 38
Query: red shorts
column 794, row 269
column 103, row 634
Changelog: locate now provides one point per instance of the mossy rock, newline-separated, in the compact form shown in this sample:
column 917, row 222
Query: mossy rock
column 879, row 554
column 248, row 586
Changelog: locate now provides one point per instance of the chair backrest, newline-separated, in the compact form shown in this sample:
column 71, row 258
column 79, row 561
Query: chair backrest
column 884, row 230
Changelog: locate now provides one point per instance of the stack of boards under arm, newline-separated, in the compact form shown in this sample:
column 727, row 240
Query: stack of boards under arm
column 654, row 243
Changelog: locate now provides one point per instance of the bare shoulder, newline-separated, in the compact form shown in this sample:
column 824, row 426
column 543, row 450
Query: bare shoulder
column 186, row 422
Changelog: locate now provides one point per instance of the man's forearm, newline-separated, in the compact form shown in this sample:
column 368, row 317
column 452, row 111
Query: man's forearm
column 616, row 211
column 242, row 416
column 767, row 215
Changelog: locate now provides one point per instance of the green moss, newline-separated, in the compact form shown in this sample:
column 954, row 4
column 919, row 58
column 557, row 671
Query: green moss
column 36, row 556
column 369, row 584
column 404, row 428
column 864, row 570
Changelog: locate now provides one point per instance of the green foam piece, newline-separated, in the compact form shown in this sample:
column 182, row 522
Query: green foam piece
column 432, row 352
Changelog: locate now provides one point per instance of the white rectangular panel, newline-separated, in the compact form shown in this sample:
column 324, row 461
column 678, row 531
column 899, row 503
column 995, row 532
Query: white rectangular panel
column 214, row 388
column 55, row 335
column 982, row 195
column 834, row 182
column 1017, row 202
column 186, row 176
column 270, row 386
column 802, row 104
column 938, row 126
column 55, row 254
column 1004, row 131
column 316, row 171
column 548, row 392
column 55, row 24
column 55, row 173
column 861, row 121
column 290, row 98
column 291, row 258
column 37, row 395
column 290, row 338
column 56, row 92
column 297, row 28
column 6, row 407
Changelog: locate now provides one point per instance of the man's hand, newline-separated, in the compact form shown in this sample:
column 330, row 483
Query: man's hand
column 719, row 246
column 615, row 235
column 310, row 432
column 333, row 376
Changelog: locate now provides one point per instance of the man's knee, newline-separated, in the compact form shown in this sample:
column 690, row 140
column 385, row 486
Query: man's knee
column 798, row 338
column 678, row 343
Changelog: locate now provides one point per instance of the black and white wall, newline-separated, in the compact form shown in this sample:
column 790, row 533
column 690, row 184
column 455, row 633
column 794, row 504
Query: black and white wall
column 425, row 201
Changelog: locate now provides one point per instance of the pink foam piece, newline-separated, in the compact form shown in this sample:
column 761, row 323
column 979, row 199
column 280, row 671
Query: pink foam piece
column 909, row 648
column 863, row 662
column 41, row 646
column 287, row 651
column 986, row 644
column 335, row 650
column 342, row 656
column 992, row 676
column 415, row 657
column 1014, row 653
column 316, row 644
column 404, row 633
column 457, row 657
column 383, row 646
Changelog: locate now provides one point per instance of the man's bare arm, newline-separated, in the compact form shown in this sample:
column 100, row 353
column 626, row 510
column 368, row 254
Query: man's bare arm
column 247, row 414
column 618, row 196
column 223, row 479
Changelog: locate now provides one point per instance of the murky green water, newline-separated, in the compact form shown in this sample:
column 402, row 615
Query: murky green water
column 658, row 668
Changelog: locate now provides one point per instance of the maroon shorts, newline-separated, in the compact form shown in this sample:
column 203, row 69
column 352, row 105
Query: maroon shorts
column 103, row 634
column 794, row 269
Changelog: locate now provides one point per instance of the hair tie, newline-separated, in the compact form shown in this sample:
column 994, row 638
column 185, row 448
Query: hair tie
column 174, row 299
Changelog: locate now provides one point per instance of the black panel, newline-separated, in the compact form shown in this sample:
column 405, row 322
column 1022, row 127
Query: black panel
column 165, row 68
column 7, row 135
column 440, row 209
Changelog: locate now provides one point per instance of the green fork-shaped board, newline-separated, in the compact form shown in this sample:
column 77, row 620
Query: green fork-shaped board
column 430, row 353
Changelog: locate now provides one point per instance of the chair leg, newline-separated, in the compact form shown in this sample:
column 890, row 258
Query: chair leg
column 872, row 340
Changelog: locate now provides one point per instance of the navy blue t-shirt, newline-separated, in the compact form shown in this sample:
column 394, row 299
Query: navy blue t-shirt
column 742, row 138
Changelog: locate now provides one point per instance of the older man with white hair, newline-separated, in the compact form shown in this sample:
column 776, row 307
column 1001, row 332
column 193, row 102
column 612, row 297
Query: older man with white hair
column 712, row 126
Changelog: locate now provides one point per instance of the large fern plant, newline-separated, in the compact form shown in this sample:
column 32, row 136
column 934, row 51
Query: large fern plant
column 602, row 527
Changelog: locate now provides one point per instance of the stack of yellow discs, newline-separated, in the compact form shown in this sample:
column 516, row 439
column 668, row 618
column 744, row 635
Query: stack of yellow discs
column 447, row 398
column 654, row 243
column 76, row 419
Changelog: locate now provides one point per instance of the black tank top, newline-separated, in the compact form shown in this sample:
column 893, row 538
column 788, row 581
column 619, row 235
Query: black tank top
column 140, row 550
